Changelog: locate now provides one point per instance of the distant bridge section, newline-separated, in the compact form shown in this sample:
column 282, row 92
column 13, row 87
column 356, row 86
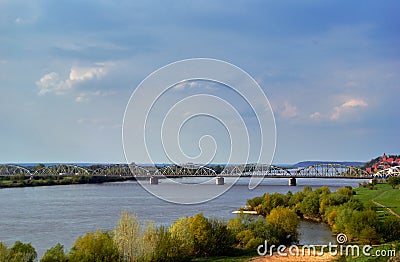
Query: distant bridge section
column 61, row 170
column 185, row 170
column 122, row 170
column 331, row 171
column 313, row 171
column 10, row 170
column 388, row 172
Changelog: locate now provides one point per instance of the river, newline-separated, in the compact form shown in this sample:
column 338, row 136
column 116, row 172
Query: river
column 49, row 215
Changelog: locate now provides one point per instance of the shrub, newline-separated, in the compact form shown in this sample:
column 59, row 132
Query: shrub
column 54, row 254
column 21, row 252
column 93, row 247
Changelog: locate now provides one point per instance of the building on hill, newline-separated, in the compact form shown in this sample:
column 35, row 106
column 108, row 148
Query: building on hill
column 383, row 163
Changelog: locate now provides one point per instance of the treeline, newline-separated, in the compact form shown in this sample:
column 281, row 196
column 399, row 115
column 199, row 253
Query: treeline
column 340, row 210
column 187, row 238
column 20, row 180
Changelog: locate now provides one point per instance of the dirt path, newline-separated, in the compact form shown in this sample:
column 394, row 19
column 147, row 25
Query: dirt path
column 388, row 209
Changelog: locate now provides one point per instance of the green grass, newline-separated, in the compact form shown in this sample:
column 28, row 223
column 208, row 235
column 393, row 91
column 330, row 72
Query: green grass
column 383, row 194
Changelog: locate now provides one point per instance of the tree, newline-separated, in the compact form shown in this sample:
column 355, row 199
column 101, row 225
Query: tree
column 22, row 252
column 390, row 229
column 180, row 230
column 127, row 237
column 285, row 220
column 3, row 252
column 347, row 191
column 201, row 230
column 394, row 181
column 93, row 247
column 222, row 239
column 310, row 205
column 54, row 254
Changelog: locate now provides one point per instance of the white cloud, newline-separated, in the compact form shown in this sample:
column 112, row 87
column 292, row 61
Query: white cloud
column 52, row 82
column 85, row 96
column 315, row 115
column 289, row 110
column 338, row 111
column 82, row 74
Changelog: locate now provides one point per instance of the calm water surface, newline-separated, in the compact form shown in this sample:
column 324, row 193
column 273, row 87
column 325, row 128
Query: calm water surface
column 48, row 215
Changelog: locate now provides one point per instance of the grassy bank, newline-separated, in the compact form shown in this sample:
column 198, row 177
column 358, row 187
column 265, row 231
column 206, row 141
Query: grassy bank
column 383, row 194
column 21, row 181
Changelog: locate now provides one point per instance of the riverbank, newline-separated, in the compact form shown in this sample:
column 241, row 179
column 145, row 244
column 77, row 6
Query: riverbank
column 18, row 181
column 382, row 196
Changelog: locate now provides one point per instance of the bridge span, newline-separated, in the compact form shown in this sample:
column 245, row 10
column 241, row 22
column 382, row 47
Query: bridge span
column 191, row 170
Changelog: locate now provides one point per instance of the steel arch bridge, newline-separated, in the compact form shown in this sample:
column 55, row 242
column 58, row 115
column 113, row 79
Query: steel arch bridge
column 331, row 171
column 388, row 172
column 114, row 170
column 61, row 170
column 256, row 170
column 313, row 171
column 10, row 170
column 185, row 170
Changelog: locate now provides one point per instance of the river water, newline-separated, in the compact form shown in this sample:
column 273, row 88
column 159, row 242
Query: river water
column 49, row 215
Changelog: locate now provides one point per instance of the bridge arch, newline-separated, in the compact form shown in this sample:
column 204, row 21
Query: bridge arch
column 9, row 170
column 388, row 172
column 185, row 170
column 332, row 170
column 114, row 170
column 256, row 170
column 61, row 170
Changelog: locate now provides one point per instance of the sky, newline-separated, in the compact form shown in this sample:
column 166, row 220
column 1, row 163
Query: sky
column 330, row 70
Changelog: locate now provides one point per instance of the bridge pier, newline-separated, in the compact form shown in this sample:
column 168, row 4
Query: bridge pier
column 219, row 181
column 292, row 181
column 153, row 180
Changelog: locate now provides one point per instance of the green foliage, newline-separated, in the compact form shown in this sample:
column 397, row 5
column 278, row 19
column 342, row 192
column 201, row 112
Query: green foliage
column 17, row 177
column 128, row 238
column 21, row 252
column 181, row 233
column 284, row 220
column 3, row 252
column 54, row 254
column 393, row 181
column 346, row 191
column 222, row 239
column 210, row 236
column 310, row 205
column 254, row 202
column 390, row 229
column 93, row 247
column 201, row 230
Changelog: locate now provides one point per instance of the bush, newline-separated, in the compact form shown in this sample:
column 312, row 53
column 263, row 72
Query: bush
column 93, row 247
column 3, row 252
column 54, row 254
column 390, row 229
column 21, row 252
column 394, row 181
column 284, row 221
column 180, row 232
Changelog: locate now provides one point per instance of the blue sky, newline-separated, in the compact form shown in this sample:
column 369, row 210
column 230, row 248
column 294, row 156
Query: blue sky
column 329, row 68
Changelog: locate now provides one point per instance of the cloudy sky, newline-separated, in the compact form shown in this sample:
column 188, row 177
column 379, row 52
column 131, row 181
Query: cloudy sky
column 331, row 71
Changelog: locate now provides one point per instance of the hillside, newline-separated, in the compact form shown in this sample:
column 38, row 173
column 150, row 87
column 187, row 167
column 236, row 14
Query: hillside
column 310, row 163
